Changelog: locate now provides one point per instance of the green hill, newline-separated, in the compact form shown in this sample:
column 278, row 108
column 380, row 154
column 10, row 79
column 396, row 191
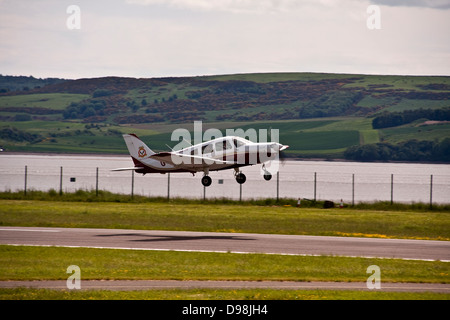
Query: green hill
column 318, row 115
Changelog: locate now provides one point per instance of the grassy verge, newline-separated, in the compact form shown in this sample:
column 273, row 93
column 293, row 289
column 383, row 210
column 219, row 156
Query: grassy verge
column 209, row 294
column 106, row 196
column 413, row 222
column 50, row 263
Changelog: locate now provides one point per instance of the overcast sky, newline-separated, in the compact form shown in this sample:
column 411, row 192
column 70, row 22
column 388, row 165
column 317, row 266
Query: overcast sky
column 155, row 38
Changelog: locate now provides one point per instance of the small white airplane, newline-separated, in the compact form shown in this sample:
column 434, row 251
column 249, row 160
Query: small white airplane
column 223, row 153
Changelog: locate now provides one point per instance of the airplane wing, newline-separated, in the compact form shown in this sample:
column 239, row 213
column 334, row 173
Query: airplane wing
column 188, row 161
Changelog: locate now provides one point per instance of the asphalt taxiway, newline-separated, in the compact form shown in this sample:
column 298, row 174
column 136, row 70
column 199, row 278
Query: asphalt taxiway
column 132, row 285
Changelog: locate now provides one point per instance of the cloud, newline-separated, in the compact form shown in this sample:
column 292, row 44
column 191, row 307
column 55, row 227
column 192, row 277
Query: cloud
column 434, row 4
column 146, row 38
column 233, row 6
column 264, row 6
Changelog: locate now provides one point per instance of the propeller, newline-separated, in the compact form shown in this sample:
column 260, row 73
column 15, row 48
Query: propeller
column 283, row 157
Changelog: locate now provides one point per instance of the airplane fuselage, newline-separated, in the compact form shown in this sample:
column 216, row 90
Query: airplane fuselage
column 239, row 151
column 223, row 153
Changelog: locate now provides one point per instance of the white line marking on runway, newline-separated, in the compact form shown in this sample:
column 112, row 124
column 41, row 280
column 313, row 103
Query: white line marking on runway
column 217, row 251
column 31, row 230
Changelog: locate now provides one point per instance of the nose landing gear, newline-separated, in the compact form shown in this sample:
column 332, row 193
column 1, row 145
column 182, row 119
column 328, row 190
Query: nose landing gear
column 267, row 175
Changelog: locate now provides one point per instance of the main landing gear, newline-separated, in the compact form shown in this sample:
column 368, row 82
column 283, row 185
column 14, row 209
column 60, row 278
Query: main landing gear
column 206, row 181
column 238, row 175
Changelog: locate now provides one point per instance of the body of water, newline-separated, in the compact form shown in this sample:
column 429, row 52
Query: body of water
column 325, row 180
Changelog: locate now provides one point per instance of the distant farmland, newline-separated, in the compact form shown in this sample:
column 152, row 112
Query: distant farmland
column 318, row 115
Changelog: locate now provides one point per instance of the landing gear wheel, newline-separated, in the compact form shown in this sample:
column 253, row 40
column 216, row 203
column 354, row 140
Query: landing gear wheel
column 241, row 178
column 206, row 181
column 267, row 176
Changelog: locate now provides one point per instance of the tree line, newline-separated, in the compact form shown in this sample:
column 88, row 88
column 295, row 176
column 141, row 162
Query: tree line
column 24, row 83
column 411, row 150
column 394, row 119
column 14, row 134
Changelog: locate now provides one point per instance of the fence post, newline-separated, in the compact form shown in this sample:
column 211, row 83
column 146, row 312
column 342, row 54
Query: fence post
column 26, row 176
column 96, row 182
column 60, row 181
column 315, row 185
column 392, row 188
column 353, row 189
column 278, row 186
column 132, row 184
column 431, row 192
column 168, row 186
column 240, row 192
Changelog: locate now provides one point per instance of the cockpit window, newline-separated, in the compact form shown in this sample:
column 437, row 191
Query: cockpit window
column 238, row 143
column 207, row 149
column 227, row 145
column 223, row 145
column 194, row 152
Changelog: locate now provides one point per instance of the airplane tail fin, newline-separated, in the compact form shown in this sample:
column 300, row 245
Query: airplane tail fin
column 137, row 148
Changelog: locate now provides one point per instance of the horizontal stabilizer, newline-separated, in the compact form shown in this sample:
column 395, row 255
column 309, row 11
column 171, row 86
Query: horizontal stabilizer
column 125, row 169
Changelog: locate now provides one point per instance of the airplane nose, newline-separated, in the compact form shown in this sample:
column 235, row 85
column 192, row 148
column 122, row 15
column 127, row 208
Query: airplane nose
column 279, row 147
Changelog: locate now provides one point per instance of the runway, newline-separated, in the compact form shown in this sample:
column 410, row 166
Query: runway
column 242, row 243
column 227, row 242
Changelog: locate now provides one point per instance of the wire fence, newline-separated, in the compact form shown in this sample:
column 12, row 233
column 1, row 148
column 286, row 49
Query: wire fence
column 318, row 185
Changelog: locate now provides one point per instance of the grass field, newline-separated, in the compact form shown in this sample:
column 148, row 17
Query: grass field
column 413, row 131
column 82, row 210
column 50, row 263
column 36, row 263
column 72, row 137
column 56, row 101
column 307, row 138
column 365, row 81
column 185, row 215
column 211, row 294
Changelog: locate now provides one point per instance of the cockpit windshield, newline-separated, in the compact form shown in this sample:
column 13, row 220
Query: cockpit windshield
column 238, row 142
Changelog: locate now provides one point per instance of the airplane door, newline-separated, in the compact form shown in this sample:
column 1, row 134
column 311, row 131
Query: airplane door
column 218, row 150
